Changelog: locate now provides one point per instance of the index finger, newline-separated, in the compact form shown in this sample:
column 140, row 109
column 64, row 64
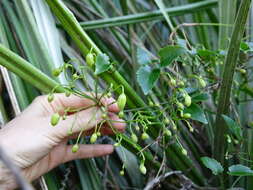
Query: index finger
column 61, row 102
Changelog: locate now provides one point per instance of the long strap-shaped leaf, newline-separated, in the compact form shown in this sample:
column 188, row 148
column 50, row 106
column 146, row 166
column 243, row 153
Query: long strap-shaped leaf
column 148, row 16
column 227, row 79
column 25, row 70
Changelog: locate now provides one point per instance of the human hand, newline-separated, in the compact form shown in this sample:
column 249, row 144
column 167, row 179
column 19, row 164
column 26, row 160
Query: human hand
column 37, row 147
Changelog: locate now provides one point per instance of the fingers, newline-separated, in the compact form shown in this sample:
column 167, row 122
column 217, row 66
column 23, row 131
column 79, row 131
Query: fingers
column 87, row 151
column 62, row 102
column 83, row 120
column 117, row 125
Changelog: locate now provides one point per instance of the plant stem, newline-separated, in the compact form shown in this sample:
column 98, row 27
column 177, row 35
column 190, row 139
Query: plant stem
column 227, row 80
column 148, row 16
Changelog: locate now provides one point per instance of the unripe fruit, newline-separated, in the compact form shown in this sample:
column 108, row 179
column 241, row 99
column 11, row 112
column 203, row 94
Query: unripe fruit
column 90, row 59
column 121, row 101
column 75, row 76
column 116, row 144
column 144, row 136
column 134, row 138
column 122, row 172
column 93, row 138
column 202, row 83
column 104, row 115
column 55, row 119
column 121, row 114
column 184, row 152
column 137, row 128
column 98, row 134
column 150, row 103
column 167, row 132
column 75, row 148
column 167, row 121
column 187, row 100
column 67, row 93
column 143, row 169
column 180, row 83
column 173, row 82
column 187, row 115
column 50, row 98
column 242, row 71
column 180, row 106
column 56, row 72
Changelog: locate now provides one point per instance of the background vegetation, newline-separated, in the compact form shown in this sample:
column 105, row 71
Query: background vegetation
column 160, row 52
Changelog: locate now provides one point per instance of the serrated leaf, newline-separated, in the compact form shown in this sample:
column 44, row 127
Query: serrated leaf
column 213, row 165
column 143, row 57
column 169, row 53
column 147, row 77
column 208, row 55
column 102, row 63
column 240, row 170
column 197, row 113
column 233, row 127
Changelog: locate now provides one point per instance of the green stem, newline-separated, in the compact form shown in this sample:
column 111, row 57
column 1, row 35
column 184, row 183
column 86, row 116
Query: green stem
column 25, row 70
column 227, row 79
column 148, row 16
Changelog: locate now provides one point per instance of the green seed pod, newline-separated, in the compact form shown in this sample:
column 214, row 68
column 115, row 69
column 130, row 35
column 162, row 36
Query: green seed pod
column 121, row 114
column 202, row 82
column 93, row 138
column 67, row 93
column 75, row 148
column 50, row 98
column 242, row 71
column 150, row 103
column 184, row 152
column 56, row 72
column 122, row 101
column 55, row 119
column 116, row 144
column 98, row 134
column 104, row 115
column 173, row 82
column 187, row 100
column 180, row 83
column 134, row 138
column 167, row 132
column 166, row 121
column 144, row 136
column 143, row 169
column 109, row 94
column 122, row 172
column 180, row 106
column 186, row 115
column 75, row 76
column 90, row 59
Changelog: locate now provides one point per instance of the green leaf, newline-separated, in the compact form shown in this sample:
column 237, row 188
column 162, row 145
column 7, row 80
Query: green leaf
column 102, row 63
column 208, row 55
column 213, row 165
column 143, row 57
column 197, row 113
column 200, row 97
column 169, row 53
column 147, row 78
column 233, row 127
column 240, row 170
